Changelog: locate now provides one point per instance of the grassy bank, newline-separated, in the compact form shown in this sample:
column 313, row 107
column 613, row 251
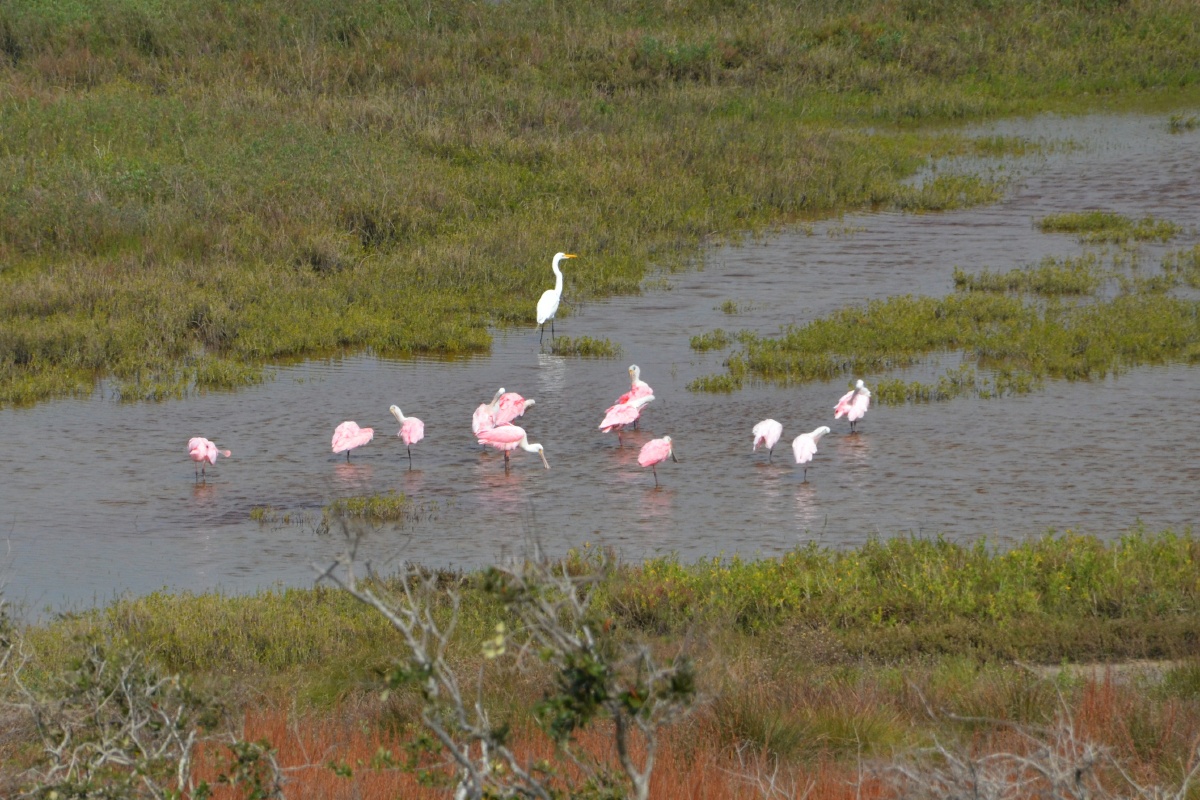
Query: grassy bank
column 199, row 187
column 813, row 661
column 1059, row 597
column 1077, row 318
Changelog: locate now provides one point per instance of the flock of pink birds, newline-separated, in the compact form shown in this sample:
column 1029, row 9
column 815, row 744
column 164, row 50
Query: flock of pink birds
column 492, row 425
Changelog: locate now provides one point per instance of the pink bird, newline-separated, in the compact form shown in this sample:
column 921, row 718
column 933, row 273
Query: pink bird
column 853, row 404
column 804, row 447
column 638, row 387
column 412, row 430
column 348, row 436
column 617, row 417
column 655, row 452
column 510, row 406
column 510, row 437
column 767, row 433
column 483, row 419
column 203, row 452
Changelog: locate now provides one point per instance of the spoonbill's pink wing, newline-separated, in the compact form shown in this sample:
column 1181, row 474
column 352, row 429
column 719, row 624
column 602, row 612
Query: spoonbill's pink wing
column 618, row 415
column 655, row 451
column 504, row 437
column 481, row 420
column 348, row 436
column 804, row 448
column 511, row 406
column 640, row 389
column 843, row 405
column 198, row 447
column 767, row 433
column 412, row 431
column 858, row 406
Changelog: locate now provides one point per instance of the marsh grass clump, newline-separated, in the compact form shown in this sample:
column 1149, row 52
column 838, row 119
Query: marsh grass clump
column 1053, row 276
column 1015, row 329
column 1104, row 226
column 717, row 339
column 1179, row 123
column 585, row 347
column 376, row 508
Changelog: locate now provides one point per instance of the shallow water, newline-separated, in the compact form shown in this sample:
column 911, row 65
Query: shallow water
column 99, row 497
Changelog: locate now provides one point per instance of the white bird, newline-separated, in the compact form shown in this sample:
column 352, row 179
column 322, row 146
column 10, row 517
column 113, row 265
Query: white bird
column 412, row 430
column 767, row 433
column 853, row 404
column 547, row 307
column 804, row 446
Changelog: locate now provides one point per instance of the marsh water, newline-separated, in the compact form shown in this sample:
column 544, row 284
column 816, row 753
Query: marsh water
column 99, row 497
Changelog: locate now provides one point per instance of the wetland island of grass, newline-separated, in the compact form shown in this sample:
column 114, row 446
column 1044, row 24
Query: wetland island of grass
column 197, row 190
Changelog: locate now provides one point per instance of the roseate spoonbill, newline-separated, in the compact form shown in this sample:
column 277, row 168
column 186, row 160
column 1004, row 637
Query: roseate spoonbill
column 510, row 437
column 348, row 436
column 482, row 419
column 637, row 386
column 202, row 451
column 767, row 433
column 655, row 452
column 510, row 406
column 853, row 404
column 623, row 414
column 412, row 430
column 547, row 307
column 804, row 447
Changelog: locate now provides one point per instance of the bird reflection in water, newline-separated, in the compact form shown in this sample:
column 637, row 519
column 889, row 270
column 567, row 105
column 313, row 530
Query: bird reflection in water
column 854, row 451
column 657, row 515
column 348, row 475
column 203, row 494
column 808, row 513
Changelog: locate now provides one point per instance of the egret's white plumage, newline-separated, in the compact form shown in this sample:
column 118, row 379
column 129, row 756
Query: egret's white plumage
column 547, row 307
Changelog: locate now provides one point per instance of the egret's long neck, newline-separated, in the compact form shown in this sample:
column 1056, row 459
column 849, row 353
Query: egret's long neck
column 557, row 276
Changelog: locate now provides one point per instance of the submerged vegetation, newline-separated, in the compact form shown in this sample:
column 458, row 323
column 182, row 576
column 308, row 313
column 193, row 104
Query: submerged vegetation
column 196, row 188
column 1014, row 329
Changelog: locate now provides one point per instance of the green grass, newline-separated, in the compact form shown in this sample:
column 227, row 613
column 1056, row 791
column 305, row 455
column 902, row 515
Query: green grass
column 197, row 188
column 1051, row 598
column 1053, row 276
column 584, row 347
column 1015, row 330
column 1104, row 226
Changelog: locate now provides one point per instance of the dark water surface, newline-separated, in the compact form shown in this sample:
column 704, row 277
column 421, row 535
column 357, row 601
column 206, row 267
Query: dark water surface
column 99, row 497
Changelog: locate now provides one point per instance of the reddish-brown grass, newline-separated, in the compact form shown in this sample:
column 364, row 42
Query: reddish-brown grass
column 691, row 763
column 1152, row 737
